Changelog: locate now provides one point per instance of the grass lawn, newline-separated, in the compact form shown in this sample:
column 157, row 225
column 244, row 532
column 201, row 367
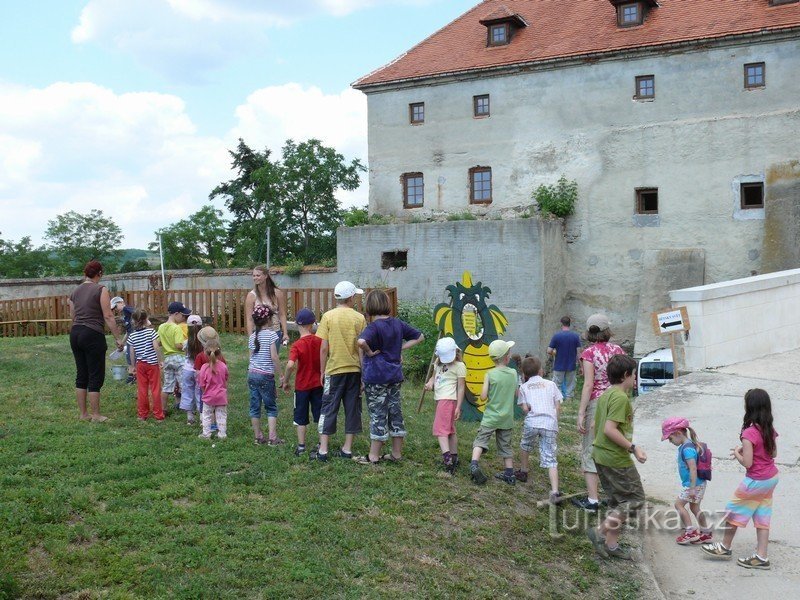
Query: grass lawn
column 130, row 510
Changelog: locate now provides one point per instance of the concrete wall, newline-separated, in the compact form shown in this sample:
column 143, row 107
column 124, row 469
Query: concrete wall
column 741, row 320
column 700, row 137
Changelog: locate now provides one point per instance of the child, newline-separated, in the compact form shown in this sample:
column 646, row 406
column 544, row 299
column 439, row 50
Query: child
column 118, row 307
column 500, row 388
column 753, row 497
column 304, row 356
column 679, row 433
column 593, row 365
column 172, row 341
column 190, row 391
column 612, row 454
column 340, row 370
column 207, row 335
column 448, row 384
column 540, row 400
column 264, row 364
column 381, row 343
column 146, row 355
column 213, row 378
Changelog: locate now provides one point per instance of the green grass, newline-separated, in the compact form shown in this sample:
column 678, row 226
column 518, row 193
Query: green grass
column 129, row 510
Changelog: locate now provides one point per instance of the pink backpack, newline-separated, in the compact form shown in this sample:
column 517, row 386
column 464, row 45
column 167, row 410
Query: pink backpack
column 703, row 461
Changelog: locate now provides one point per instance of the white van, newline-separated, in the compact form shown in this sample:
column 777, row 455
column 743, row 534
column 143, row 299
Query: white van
column 655, row 370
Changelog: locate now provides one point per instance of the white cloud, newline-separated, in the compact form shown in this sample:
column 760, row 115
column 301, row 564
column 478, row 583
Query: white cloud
column 138, row 156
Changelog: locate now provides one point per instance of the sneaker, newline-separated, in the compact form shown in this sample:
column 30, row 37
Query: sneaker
column 522, row 476
column 316, row 455
column 275, row 441
column 598, row 541
column 298, row 451
column 509, row 479
column 619, row 552
column 451, row 466
column 554, row 498
column 703, row 538
column 260, row 441
column 584, row 504
column 753, row 562
column 716, row 550
column 477, row 475
column 222, row 436
column 204, row 437
column 131, row 379
column 688, row 537
column 190, row 420
column 343, row 454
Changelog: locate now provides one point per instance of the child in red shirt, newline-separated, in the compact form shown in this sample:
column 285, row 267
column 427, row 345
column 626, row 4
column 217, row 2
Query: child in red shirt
column 304, row 355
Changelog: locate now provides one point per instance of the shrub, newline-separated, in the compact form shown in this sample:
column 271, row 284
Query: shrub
column 294, row 267
column 462, row 216
column 420, row 316
column 558, row 199
column 328, row 263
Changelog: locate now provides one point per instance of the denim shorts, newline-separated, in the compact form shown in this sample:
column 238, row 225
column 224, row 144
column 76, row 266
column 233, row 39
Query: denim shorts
column 262, row 391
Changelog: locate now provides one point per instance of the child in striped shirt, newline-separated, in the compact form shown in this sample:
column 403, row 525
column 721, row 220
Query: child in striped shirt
column 540, row 400
column 146, row 355
column 264, row 364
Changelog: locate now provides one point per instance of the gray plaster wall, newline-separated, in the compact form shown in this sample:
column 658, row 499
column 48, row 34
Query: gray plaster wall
column 701, row 135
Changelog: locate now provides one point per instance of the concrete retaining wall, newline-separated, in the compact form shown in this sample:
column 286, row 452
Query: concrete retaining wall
column 740, row 320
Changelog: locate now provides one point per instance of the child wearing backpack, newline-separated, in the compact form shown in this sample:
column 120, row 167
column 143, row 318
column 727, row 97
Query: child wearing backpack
column 694, row 469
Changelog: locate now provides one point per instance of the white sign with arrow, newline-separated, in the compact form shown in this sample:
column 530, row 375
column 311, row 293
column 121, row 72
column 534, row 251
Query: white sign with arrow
column 671, row 321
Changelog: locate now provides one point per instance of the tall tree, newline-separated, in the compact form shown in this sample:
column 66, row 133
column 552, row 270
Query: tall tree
column 197, row 242
column 21, row 260
column 78, row 238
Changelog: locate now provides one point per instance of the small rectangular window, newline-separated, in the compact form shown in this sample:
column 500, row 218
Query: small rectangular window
column 397, row 259
column 752, row 195
column 645, row 87
column 416, row 113
column 480, row 183
column 754, row 75
column 480, row 105
column 647, row 201
column 499, row 34
column 413, row 190
column 630, row 14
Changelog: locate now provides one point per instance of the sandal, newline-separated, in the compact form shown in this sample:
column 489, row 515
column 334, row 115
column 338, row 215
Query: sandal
column 389, row 457
column 364, row 460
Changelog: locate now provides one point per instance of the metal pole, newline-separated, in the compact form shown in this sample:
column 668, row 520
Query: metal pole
column 268, row 249
column 161, row 255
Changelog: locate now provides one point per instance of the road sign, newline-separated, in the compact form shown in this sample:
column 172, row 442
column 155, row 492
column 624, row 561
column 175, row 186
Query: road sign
column 670, row 320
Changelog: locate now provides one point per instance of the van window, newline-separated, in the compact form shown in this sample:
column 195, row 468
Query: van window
column 656, row 370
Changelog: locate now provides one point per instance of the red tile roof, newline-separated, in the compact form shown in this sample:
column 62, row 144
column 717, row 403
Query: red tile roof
column 568, row 28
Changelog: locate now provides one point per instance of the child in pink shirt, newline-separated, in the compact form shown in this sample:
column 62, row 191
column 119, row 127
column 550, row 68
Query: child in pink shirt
column 213, row 379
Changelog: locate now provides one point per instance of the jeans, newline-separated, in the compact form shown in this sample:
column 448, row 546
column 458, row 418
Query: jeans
column 565, row 381
column 262, row 391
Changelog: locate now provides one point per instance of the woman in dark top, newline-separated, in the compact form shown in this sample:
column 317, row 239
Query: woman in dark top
column 90, row 308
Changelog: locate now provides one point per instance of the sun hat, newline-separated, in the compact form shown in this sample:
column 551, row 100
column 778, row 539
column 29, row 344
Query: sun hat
column 446, row 349
column 194, row 320
column 671, row 425
column 178, row 307
column 345, row 290
column 116, row 300
column 305, row 316
column 598, row 320
column 499, row 348
column 207, row 334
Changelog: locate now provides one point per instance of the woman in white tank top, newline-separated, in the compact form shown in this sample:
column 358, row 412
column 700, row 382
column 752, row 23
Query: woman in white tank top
column 266, row 293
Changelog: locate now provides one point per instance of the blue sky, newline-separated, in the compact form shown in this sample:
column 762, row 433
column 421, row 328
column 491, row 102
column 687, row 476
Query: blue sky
column 130, row 106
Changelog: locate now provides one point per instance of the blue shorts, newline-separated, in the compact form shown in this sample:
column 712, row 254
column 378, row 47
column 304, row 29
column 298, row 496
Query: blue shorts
column 303, row 399
column 262, row 391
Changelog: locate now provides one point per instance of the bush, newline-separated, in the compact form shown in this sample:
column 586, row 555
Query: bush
column 420, row 316
column 558, row 199
column 294, row 267
column 462, row 216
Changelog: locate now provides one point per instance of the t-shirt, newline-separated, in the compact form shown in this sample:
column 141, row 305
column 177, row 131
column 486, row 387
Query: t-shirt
column 445, row 380
column 262, row 360
column 599, row 354
column 127, row 318
column 763, row 466
column 202, row 359
column 499, row 411
column 613, row 405
column 543, row 397
column 214, row 383
column 386, row 335
column 341, row 327
column 686, row 452
column 142, row 342
column 305, row 352
column 566, row 344
column 171, row 337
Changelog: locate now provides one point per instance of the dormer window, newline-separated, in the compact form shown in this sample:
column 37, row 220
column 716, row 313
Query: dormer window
column 501, row 25
column 631, row 13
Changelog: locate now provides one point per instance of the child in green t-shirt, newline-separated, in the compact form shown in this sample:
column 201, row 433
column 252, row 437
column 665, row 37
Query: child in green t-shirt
column 613, row 455
column 500, row 388
column 173, row 341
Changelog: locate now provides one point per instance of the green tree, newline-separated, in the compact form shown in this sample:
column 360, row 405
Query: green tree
column 78, row 238
column 21, row 260
column 558, row 199
column 131, row 266
column 197, row 242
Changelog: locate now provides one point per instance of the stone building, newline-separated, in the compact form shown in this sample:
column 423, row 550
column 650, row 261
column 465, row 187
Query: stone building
column 678, row 119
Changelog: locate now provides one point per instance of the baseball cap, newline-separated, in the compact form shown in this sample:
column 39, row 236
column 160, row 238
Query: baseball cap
column 305, row 316
column 116, row 300
column 446, row 349
column 345, row 290
column 194, row 320
column 499, row 348
column 207, row 334
column 671, row 425
column 598, row 320
column 178, row 307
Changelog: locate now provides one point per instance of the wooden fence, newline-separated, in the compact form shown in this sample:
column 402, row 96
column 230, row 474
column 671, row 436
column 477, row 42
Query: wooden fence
column 224, row 309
